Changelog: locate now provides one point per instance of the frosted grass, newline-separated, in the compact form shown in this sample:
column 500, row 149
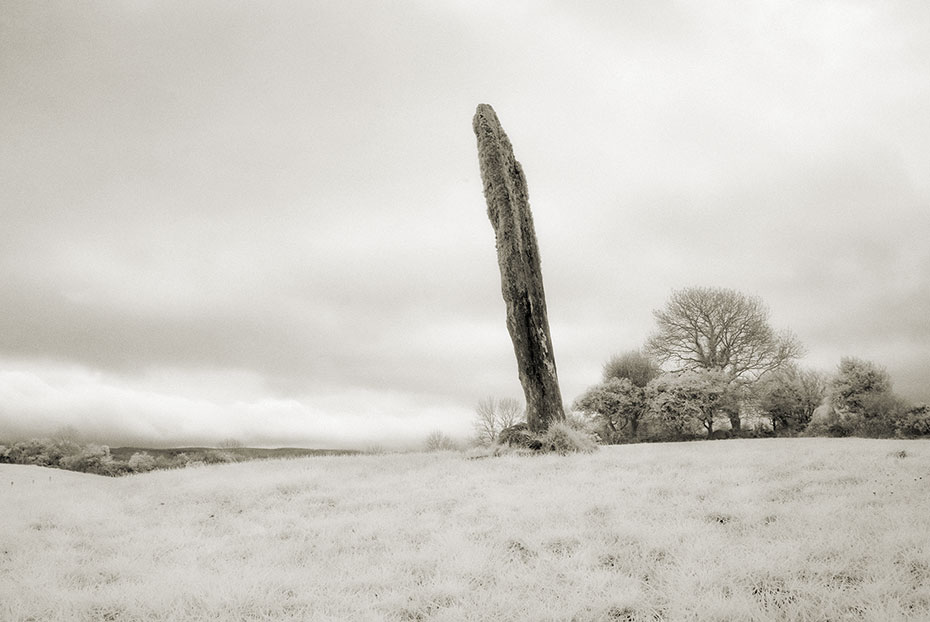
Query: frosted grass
column 776, row 529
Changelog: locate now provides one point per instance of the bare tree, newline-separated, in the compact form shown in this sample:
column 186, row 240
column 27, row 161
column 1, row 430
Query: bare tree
column 486, row 429
column 720, row 329
column 437, row 441
column 713, row 328
column 813, row 389
column 510, row 412
column 492, row 416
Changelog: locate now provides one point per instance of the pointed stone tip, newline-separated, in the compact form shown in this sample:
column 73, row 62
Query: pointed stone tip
column 485, row 115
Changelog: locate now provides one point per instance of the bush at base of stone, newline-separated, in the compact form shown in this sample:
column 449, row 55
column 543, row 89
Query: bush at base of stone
column 563, row 439
column 516, row 436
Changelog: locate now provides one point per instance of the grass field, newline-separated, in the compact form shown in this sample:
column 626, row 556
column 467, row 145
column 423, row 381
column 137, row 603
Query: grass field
column 742, row 530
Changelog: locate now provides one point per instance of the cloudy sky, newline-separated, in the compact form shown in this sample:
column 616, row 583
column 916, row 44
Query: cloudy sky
column 264, row 221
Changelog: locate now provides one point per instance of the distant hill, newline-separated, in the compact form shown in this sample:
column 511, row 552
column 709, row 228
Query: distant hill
column 240, row 453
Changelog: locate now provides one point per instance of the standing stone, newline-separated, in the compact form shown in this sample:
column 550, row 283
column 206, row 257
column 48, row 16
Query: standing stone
column 521, row 277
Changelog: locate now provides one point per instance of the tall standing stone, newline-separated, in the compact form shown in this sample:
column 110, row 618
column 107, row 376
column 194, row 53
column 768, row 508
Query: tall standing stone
column 521, row 276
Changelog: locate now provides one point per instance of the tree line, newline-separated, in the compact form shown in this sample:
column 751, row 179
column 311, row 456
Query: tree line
column 715, row 367
column 65, row 453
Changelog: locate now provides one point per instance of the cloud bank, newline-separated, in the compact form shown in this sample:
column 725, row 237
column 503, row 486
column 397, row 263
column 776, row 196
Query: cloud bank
column 268, row 220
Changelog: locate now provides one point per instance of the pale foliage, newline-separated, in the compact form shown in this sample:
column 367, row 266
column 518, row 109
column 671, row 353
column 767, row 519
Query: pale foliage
column 863, row 403
column 617, row 405
column 635, row 366
column 701, row 396
column 141, row 462
column 564, row 439
column 790, row 396
column 805, row 529
column 855, row 381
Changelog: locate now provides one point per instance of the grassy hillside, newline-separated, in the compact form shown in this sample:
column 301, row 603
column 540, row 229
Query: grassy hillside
column 775, row 529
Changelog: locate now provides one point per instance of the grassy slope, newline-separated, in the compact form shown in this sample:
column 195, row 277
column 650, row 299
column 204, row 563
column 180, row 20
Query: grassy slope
column 803, row 529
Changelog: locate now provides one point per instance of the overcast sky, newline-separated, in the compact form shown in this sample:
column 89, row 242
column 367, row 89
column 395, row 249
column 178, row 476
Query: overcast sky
column 264, row 221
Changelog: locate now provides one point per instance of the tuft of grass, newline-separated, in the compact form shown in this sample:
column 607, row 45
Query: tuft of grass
column 562, row 438
column 762, row 530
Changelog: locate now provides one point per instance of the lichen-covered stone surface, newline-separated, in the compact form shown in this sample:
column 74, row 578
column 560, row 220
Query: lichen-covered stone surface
column 521, row 276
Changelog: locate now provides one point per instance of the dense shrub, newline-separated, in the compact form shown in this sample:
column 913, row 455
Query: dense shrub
column 563, row 439
column 681, row 405
column 141, row 462
column 914, row 422
column 789, row 397
column 880, row 414
column 39, row 451
column 116, row 468
column 616, row 407
column 827, row 421
column 578, row 421
column 91, row 459
column 218, row 457
column 34, row 451
column 516, row 436
column 60, row 449
column 569, row 436
column 168, row 462
column 862, row 402
column 857, row 380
